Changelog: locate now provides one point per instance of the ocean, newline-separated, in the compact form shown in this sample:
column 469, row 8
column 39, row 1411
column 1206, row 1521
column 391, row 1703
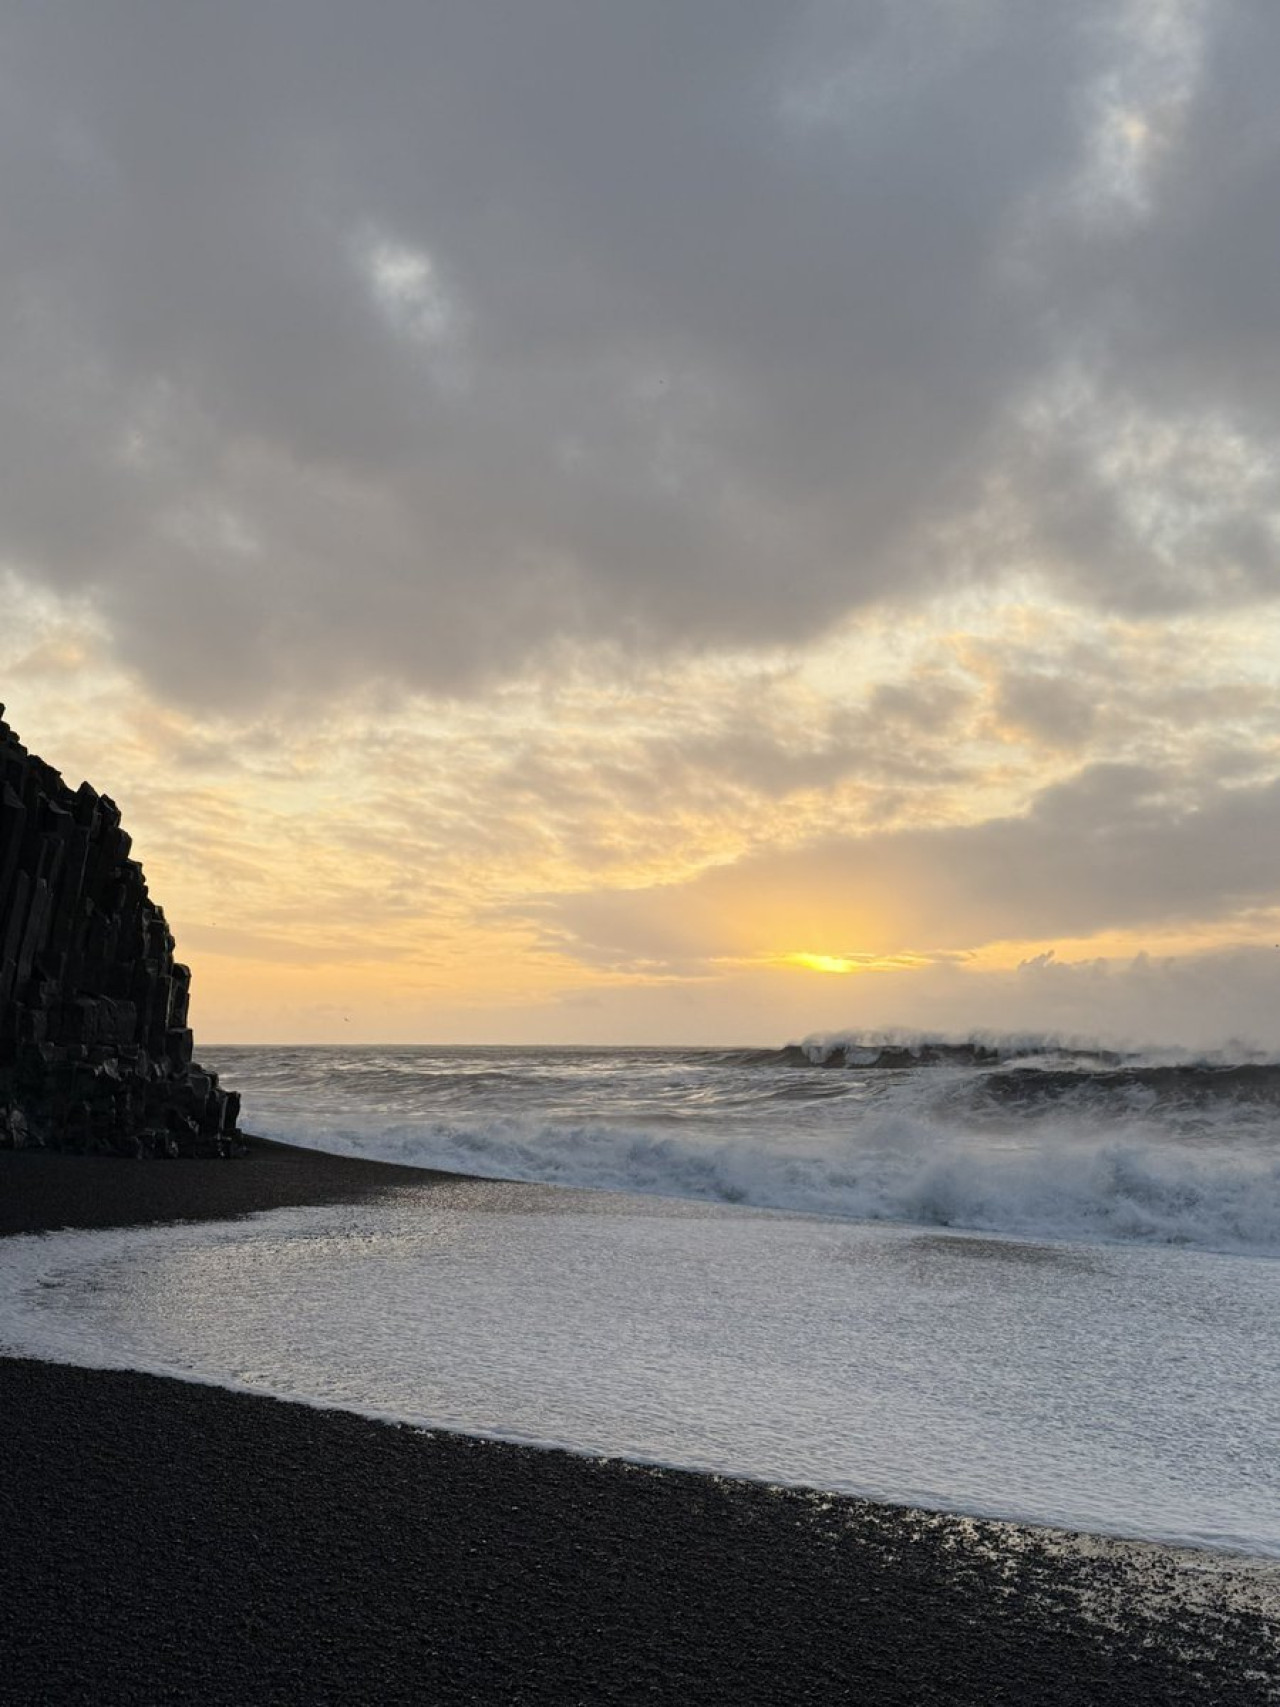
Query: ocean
column 998, row 1276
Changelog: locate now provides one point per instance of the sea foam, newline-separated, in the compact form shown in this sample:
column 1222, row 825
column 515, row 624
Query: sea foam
column 1124, row 1189
column 1122, row 1388
column 1045, row 1145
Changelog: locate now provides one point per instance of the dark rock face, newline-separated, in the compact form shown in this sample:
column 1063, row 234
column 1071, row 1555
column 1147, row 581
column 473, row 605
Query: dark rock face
column 95, row 1051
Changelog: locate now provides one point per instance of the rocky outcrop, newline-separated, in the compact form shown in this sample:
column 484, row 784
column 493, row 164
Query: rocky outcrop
column 95, row 1050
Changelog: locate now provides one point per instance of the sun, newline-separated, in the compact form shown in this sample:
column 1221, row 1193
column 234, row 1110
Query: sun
column 840, row 964
column 823, row 962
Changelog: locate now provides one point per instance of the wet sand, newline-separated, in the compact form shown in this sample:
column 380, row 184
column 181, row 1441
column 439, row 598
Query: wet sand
column 162, row 1541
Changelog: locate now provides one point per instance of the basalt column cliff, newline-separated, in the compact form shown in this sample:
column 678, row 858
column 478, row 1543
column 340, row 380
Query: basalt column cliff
column 95, row 1054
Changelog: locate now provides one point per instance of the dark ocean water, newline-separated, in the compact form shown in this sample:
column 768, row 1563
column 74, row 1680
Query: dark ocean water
column 1015, row 1135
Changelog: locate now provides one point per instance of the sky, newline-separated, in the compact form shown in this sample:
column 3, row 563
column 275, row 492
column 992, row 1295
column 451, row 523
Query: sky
column 698, row 522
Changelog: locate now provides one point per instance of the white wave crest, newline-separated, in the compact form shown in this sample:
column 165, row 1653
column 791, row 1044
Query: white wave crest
column 1131, row 1186
column 861, row 1046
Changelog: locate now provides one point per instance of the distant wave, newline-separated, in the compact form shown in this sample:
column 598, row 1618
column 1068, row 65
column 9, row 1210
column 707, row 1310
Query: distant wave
column 1022, row 1071
column 906, row 1049
column 1129, row 1186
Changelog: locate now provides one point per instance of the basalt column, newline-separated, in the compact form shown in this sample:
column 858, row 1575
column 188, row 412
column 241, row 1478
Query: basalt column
column 95, row 1050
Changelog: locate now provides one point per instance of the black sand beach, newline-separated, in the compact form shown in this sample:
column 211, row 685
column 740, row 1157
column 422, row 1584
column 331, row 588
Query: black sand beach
column 167, row 1542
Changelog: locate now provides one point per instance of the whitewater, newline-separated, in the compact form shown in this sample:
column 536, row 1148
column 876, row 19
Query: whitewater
column 1021, row 1136
column 1008, row 1277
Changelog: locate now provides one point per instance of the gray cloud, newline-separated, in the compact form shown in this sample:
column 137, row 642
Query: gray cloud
column 1047, row 707
column 398, row 342
column 1158, row 483
column 1116, row 846
column 1219, row 999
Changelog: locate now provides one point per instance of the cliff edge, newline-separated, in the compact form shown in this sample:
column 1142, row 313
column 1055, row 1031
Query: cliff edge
column 95, row 1051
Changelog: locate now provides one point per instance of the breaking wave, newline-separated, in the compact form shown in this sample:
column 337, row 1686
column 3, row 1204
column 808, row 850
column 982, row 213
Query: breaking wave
column 1127, row 1189
column 1024, row 1136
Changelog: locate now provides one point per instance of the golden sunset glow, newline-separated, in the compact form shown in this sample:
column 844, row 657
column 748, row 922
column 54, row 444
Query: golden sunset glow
column 842, row 964
column 455, row 870
column 823, row 963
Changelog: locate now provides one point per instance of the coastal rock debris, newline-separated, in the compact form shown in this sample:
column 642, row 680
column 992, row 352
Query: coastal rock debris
column 95, row 1049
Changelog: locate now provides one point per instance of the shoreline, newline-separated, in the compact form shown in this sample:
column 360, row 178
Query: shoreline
column 45, row 1190
column 171, row 1540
